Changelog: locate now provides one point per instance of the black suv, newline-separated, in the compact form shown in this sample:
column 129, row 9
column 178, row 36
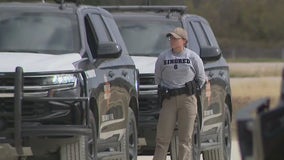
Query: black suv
column 144, row 30
column 68, row 87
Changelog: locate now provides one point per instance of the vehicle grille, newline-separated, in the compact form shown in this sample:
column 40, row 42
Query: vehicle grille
column 148, row 104
column 28, row 81
column 30, row 109
column 147, row 85
column 147, row 79
column 148, row 93
column 33, row 86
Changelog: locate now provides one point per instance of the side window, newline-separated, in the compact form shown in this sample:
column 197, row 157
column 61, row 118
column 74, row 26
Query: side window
column 210, row 34
column 90, row 34
column 192, row 42
column 200, row 34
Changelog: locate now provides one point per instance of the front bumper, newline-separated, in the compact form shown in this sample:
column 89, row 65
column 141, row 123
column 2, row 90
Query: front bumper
column 19, row 126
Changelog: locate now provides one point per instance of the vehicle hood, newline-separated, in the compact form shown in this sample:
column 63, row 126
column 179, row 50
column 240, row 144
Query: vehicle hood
column 35, row 62
column 145, row 64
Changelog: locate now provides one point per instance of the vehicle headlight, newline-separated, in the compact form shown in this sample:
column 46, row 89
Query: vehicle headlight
column 61, row 79
column 62, row 85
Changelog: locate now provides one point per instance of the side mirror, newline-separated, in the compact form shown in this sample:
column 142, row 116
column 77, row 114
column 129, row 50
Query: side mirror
column 210, row 53
column 108, row 50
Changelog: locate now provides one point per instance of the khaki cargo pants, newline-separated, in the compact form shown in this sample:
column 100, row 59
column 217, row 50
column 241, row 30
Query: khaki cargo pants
column 181, row 109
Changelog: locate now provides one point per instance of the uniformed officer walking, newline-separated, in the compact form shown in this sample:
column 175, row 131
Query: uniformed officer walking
column 178, row 71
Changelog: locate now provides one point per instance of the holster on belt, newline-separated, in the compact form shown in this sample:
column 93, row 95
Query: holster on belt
column 162, row 94
column 191, row 87
column 165, row 93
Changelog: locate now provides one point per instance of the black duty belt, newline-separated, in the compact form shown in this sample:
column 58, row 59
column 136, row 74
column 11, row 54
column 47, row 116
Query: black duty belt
column 165, row 93
column 177, row 91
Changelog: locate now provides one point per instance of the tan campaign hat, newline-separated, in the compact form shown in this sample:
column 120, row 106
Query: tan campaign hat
column 178, row 33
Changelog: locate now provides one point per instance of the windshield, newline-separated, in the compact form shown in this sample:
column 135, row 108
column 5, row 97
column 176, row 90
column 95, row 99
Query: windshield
column 51, row 33
column 146, row 37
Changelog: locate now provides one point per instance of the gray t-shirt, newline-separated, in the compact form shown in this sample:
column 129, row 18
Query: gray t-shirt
column 174, row 70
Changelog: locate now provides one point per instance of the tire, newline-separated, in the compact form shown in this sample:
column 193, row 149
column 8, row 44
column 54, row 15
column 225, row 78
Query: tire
column 224, row 138
column 195, row 139
column 130, row 147
column 83, row 148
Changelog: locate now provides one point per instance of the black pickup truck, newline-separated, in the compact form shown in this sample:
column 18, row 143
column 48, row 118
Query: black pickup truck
column 144, row 30
column 68, row 87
